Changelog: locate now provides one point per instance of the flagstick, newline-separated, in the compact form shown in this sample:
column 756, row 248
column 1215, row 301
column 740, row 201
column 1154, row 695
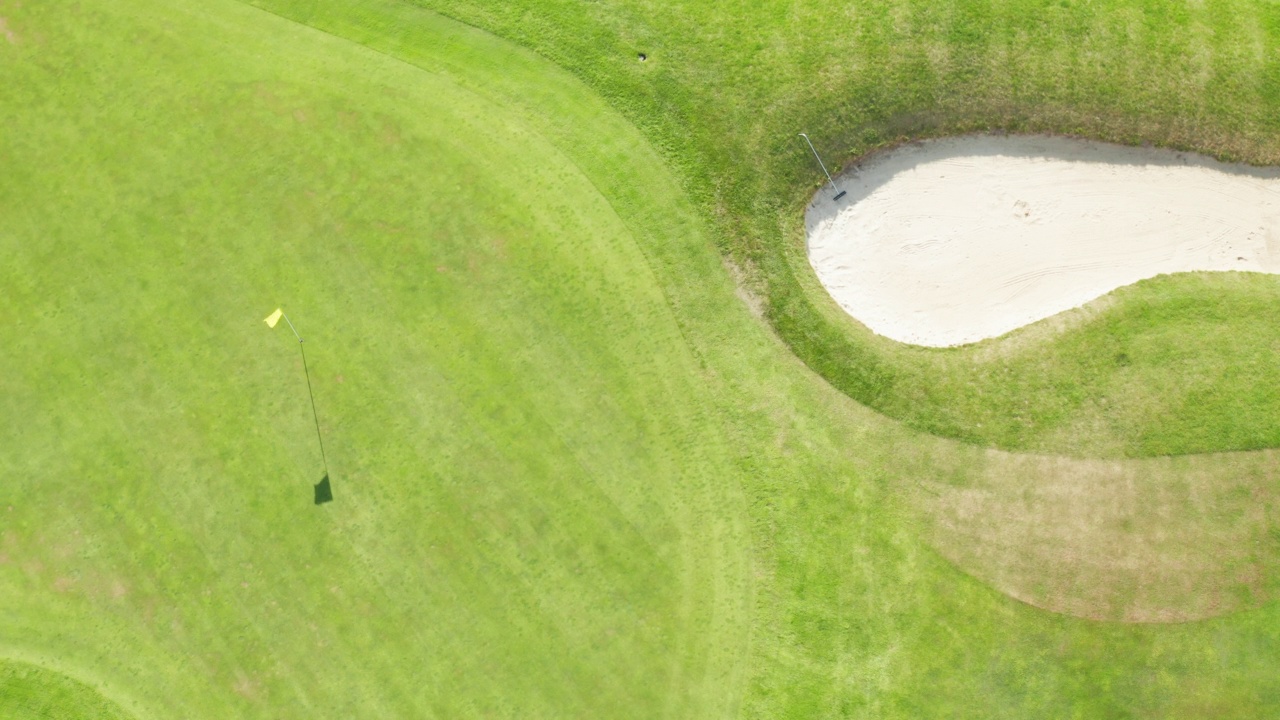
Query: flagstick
column 311, row 394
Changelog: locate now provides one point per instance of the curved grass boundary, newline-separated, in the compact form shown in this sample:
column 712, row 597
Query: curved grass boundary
column 725, row 91
column 532, row 515
column 851, row 615
column 1174, row 365
column 745, row 181
column 958, row 466
column 32, row 692
column 1156, row 540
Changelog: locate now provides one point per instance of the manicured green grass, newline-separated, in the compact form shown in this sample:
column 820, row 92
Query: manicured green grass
column 729, row 85
column 574, row 476
column 1173, row 365
column 28, row 692
column 529, row 515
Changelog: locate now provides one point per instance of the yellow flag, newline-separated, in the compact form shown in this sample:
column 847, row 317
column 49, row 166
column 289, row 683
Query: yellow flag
column 273, row 318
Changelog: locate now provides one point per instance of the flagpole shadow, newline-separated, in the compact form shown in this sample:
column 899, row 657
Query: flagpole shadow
column 324, row 492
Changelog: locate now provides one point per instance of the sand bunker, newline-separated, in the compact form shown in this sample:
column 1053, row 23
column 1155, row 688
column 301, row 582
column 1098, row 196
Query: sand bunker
column 952, row 241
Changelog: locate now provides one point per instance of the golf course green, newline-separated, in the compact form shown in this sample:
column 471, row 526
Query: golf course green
column 600, row 445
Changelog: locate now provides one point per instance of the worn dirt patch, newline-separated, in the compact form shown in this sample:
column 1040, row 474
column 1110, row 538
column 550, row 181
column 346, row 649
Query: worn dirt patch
column 7, row 33
column 741, row 283
column 1158, row 540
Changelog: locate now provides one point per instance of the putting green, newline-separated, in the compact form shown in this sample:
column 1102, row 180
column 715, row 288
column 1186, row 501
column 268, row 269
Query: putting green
column 574, row 476
column 525, row 515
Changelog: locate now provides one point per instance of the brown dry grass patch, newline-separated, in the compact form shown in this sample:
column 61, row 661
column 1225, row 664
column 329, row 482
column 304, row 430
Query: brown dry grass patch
column 1153, row 540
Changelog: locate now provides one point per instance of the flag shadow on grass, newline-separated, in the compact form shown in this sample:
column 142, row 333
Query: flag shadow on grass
column 324, row 492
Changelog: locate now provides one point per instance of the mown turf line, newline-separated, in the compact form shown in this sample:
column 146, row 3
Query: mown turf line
column 840, row 584
column 523, row 472
column 28, row 692
column 853, row 614
column 727, row 88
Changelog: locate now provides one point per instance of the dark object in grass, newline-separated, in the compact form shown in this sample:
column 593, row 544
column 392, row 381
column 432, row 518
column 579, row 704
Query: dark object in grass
column 324, row 492
column 642, row 57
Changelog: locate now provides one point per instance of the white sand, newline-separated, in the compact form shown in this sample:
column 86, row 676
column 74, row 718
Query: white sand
column 951, row 241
